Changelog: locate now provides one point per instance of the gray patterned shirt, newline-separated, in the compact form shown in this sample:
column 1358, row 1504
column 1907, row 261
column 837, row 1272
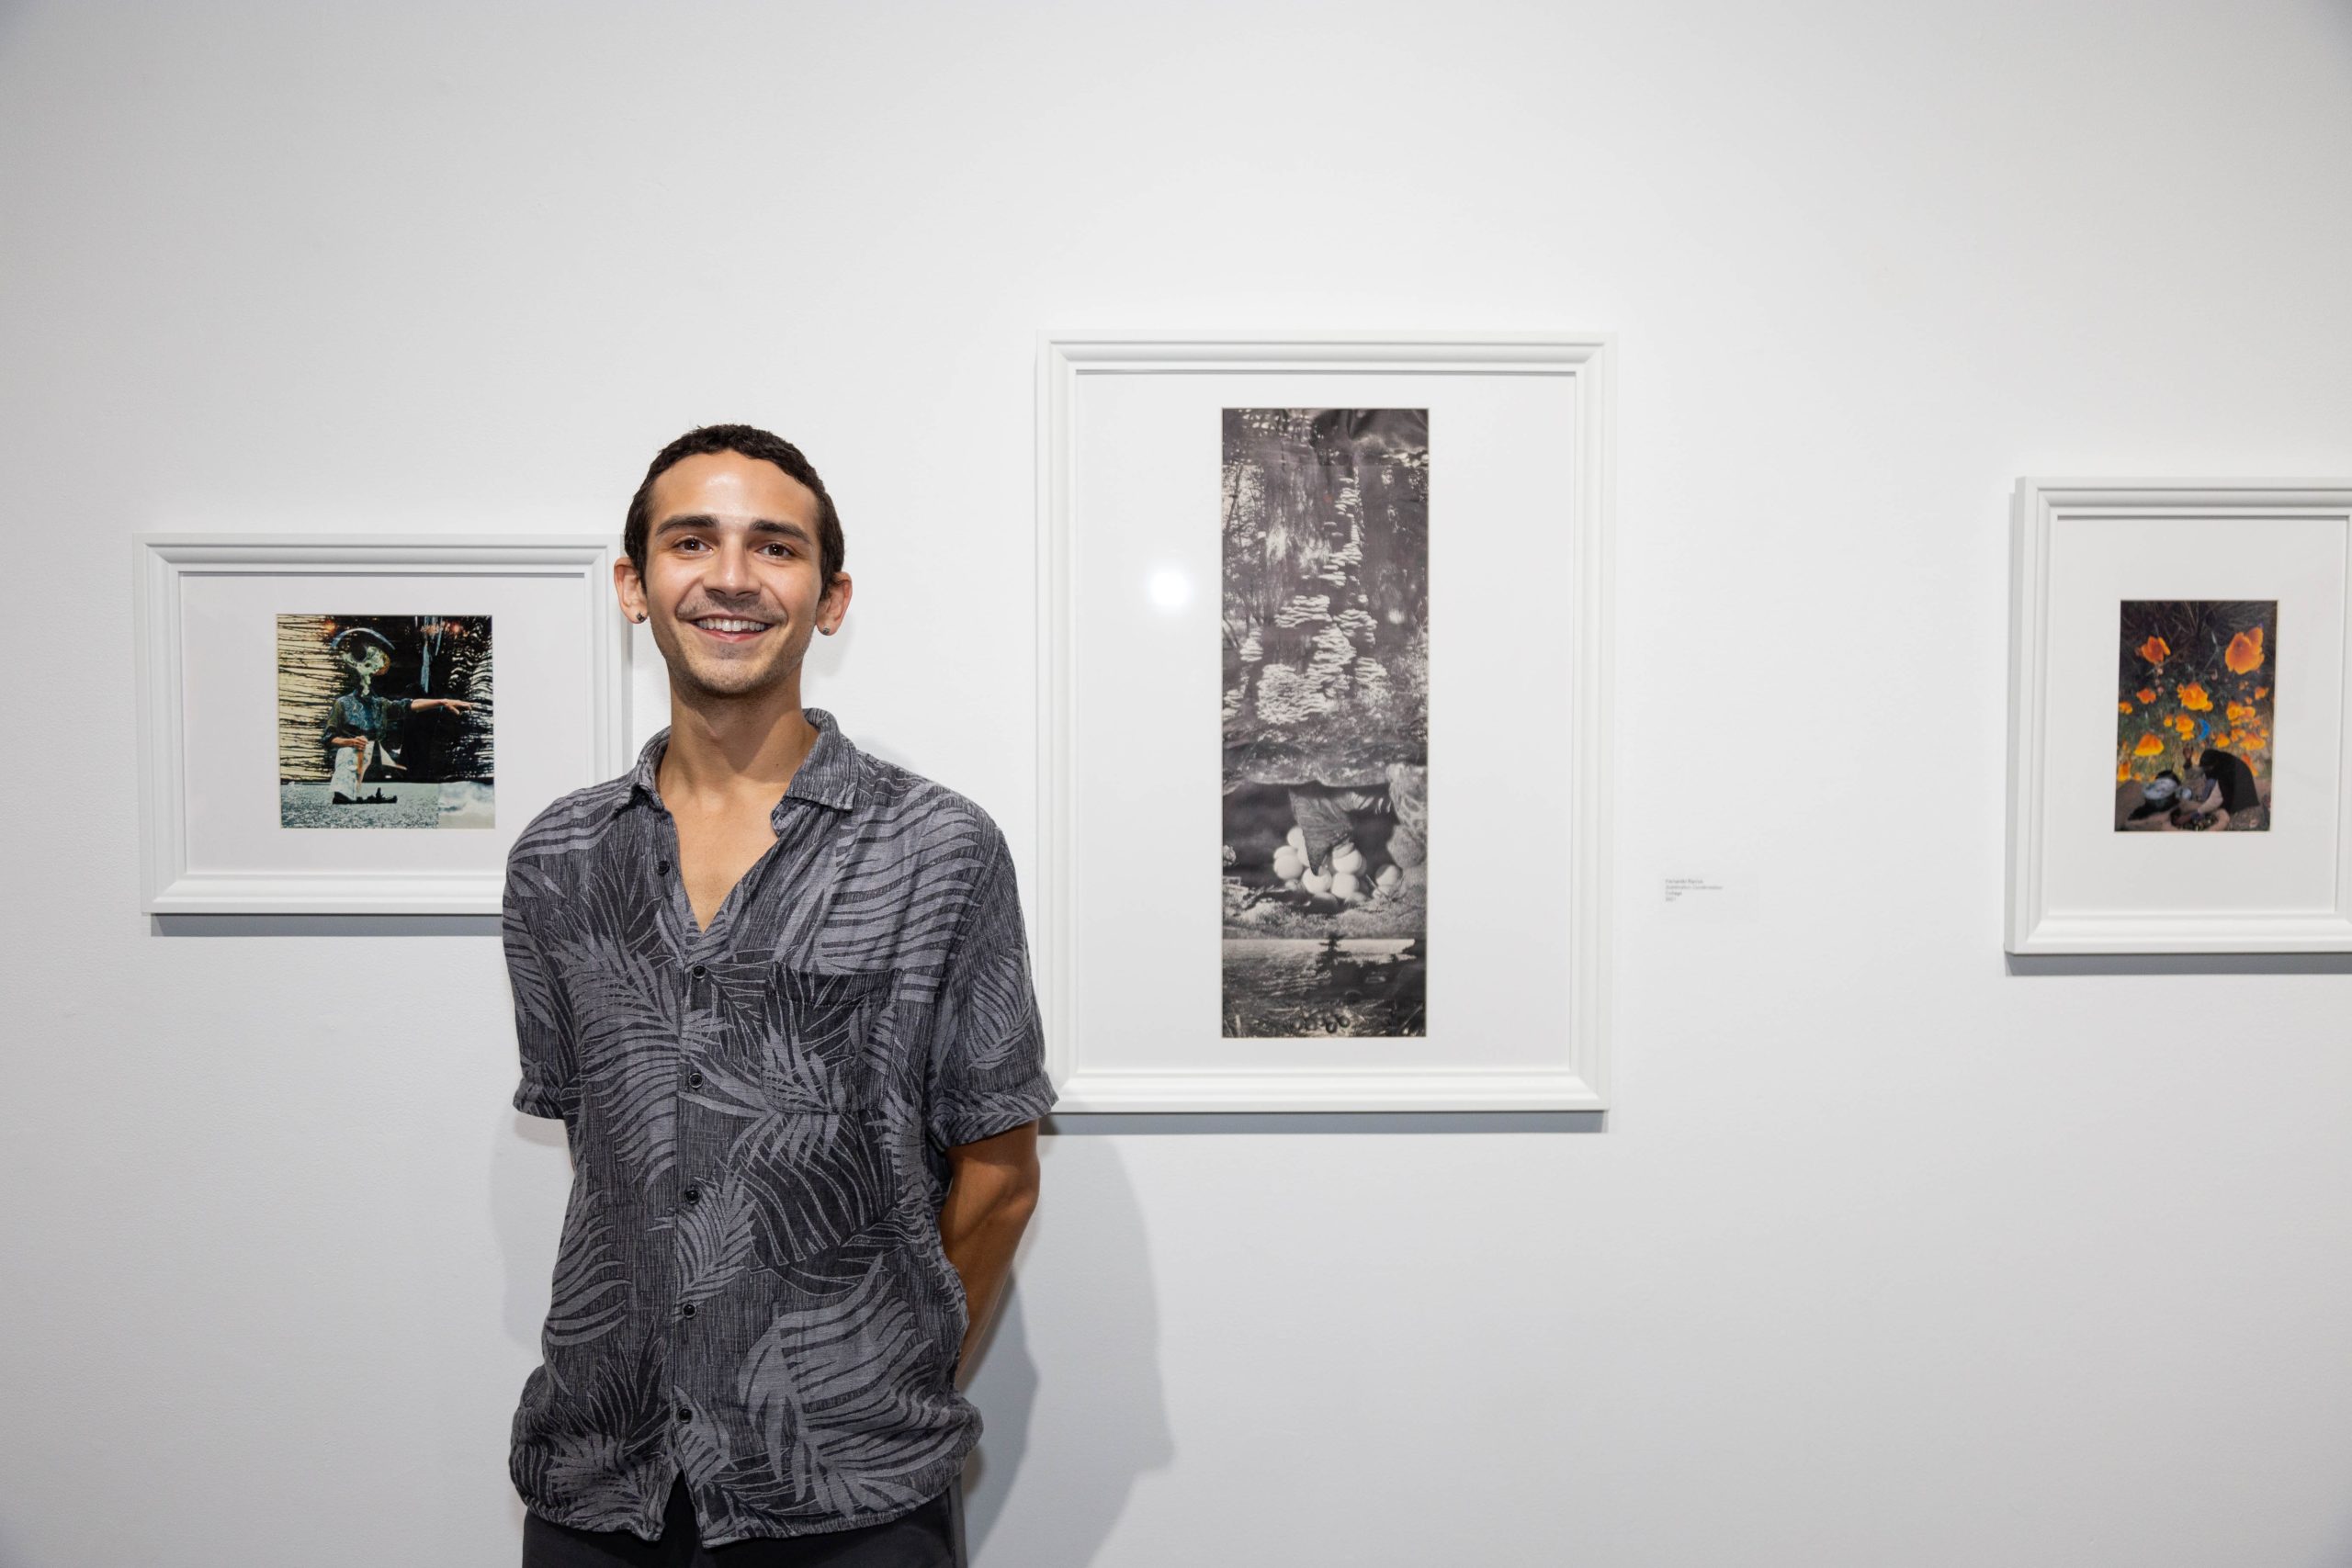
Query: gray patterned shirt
column 750, row 1288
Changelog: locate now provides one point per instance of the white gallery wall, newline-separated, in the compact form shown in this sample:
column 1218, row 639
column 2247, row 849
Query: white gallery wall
column 1892, row 1252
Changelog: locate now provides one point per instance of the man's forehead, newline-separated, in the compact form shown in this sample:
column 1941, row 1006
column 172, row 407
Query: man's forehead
column 730, row 487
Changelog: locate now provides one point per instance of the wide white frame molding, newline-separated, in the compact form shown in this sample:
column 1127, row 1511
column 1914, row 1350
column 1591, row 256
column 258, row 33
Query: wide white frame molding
column 2049, row 513
column 1574, row 1071
column 165, row 561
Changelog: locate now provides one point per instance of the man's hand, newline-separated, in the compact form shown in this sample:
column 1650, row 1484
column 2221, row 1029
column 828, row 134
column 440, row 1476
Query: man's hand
column 991, row 1189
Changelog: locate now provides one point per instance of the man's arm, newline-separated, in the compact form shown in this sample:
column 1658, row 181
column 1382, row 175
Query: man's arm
column 991, row 1189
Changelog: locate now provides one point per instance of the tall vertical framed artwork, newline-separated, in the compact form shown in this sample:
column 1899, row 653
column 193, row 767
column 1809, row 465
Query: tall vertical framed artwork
column 1324, row 702
column 2180, row 702
column 363, row 725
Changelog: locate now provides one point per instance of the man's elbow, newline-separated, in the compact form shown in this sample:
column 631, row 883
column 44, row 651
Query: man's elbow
column 1015, row 1198
column 1027, row 1197
column 994, row 1182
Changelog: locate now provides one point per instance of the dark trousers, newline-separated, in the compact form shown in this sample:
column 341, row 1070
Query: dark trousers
column 931, row 1537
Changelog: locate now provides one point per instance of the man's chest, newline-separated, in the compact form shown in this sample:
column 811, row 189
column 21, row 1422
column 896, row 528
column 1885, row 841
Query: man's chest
column 813, row 892
column 763, row 1002
column 715, row 850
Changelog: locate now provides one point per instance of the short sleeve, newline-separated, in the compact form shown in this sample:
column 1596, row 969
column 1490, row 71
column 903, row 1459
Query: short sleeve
column 543, row 1032
column 988, row 1071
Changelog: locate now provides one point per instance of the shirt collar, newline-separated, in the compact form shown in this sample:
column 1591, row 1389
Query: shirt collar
column 829, row 775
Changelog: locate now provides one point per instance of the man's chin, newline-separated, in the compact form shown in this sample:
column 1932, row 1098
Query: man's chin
column 732, row 678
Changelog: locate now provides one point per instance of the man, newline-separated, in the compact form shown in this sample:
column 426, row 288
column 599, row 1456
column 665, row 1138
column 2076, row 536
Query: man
column 778, row 991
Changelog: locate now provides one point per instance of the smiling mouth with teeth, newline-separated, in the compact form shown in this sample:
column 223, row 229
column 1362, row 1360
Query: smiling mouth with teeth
column 729, row 627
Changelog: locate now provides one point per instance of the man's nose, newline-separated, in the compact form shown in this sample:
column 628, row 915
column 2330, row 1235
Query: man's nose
column 732, row 571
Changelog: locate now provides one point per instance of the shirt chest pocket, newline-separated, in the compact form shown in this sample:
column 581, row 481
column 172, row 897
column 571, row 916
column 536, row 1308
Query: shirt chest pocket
column 815, row 1040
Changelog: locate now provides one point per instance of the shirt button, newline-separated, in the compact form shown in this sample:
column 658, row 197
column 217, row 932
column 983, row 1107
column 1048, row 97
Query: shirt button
column 698, row 971
column 687, row 1310
column 663, row 867
column 684, row 1413
column 694, row 1194
column 694, row 1081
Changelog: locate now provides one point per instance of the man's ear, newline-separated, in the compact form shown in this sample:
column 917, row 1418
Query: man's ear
column 834, row 605
column 630, row 588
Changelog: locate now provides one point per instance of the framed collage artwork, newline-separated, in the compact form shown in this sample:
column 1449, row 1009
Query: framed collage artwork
column 2180, row 700
column 1324, row 701
column 361, row 726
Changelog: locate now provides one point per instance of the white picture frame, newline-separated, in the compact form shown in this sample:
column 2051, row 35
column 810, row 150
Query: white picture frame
column 1519, row 442
column 2081, row 550
column 208, row 767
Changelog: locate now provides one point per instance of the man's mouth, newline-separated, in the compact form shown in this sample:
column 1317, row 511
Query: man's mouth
column 729, row 628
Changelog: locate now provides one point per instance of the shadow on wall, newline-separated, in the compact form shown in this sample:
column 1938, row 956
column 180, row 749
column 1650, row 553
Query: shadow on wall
column 1103, row 1349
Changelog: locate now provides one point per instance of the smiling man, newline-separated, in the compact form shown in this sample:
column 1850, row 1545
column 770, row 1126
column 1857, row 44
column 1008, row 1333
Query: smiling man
column 778, row 991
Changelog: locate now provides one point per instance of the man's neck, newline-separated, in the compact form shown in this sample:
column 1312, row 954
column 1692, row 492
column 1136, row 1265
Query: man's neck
column 725, row 750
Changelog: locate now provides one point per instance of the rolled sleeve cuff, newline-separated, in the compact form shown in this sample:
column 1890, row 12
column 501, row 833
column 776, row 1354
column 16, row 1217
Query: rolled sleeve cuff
column 984, row 1116
column 533, row 1098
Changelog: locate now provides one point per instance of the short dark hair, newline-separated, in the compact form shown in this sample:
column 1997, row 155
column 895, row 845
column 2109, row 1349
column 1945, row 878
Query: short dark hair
column 751, row 442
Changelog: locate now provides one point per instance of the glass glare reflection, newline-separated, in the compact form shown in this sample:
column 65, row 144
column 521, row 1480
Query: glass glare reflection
column 1169, row 590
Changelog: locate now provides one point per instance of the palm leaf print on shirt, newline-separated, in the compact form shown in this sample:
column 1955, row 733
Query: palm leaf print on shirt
column 827, row 1389
column 591, row 1295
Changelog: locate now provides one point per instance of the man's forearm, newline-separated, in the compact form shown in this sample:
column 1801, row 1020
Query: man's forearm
column 990, row 1195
